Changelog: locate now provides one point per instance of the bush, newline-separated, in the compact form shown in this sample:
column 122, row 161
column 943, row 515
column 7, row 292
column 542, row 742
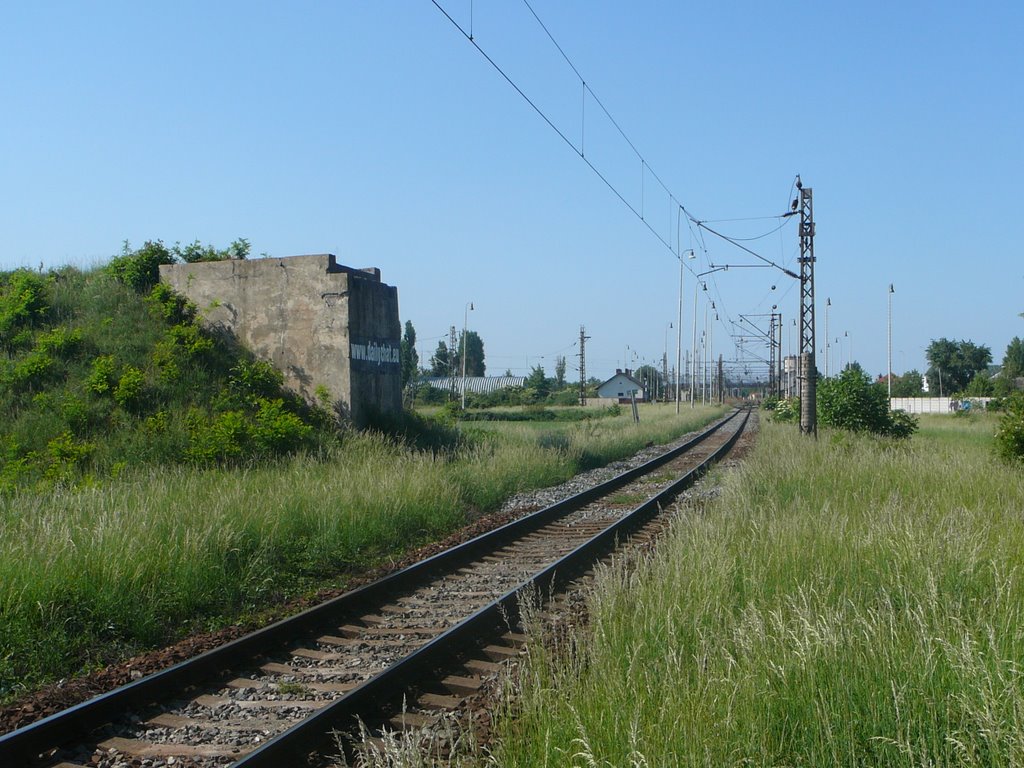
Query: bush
column 849, row 401
column 101, row 379
column 169, row 305
column 253, row 379
column 237, row 434
column 60, row 341
column 66, row 454
column 184, row 345
column 24, row 301
column 276, row 431
column 1010, row 433
column 902, row 424
column 140, row 269
column 787, row 410
column 32, row 371
column 130, row 386
column 196, row 252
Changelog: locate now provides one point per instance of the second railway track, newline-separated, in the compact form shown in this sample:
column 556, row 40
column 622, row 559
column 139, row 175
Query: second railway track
column 278, row 695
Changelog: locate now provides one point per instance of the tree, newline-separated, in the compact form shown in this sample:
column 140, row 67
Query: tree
column 439, row 363
column 908, row 385
column 410, row 360
column 474, row 354
column 559, row 371
column 954, row 364
column 538, row 382
column 980, row 385
column 1013, row 360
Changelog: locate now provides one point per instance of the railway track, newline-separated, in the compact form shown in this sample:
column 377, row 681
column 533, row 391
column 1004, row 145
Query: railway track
column 427, row 635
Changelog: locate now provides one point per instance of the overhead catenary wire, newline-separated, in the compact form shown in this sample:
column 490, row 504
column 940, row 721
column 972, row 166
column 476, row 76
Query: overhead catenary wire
column 645, row 167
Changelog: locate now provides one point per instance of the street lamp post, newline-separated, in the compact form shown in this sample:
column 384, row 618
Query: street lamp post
column 693, row 365
column 465, row 343
column 889, row 376
column 828, row 344
column 693, row 358
column 679, row 332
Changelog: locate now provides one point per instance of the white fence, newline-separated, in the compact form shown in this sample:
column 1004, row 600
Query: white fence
column 936, row 404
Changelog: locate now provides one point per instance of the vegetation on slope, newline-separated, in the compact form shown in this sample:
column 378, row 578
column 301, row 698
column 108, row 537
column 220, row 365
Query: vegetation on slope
column 106, row 370
column 848, row 601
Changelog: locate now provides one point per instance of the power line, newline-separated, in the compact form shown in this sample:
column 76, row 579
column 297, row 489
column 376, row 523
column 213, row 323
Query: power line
column 644, row 165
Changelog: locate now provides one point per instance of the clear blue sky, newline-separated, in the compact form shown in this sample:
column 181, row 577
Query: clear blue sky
column 377, row 132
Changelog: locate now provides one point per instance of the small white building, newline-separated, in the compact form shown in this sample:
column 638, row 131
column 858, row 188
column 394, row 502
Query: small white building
column 621, row 387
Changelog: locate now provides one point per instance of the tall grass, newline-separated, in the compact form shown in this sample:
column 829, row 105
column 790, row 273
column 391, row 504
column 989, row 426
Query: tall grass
column 92, row 574
column 845, row 602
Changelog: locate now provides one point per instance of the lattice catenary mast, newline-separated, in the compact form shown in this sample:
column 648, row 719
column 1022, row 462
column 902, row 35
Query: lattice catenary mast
column 808, row 371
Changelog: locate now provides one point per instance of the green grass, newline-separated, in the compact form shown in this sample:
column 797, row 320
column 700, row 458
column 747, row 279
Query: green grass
column 846, row 602
column 88, row 575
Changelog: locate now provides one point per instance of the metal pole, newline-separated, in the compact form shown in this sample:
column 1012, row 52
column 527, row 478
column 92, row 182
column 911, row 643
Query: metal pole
column 828, row 344
column 679, row 335
column 693, row 361
column 711, row 358
column 704, row 360
column 889, row 376
column 465, row 343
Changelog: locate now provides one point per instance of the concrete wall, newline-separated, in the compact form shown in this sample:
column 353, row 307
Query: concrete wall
column 934, row 404
column 324, row 325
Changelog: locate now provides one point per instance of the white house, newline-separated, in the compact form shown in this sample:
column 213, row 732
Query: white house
column 621, row 386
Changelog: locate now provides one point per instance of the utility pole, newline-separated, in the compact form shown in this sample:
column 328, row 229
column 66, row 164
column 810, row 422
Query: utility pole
column 772, row 389
column 583, row 365
column 808, row 373
column 721, row 381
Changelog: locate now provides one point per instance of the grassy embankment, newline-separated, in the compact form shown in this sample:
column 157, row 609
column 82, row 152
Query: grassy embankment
column 86, row 575
column 846, row 602
column 142, row 496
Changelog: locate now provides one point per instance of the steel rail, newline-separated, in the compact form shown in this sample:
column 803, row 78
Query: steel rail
column 25, row 744
column 317, row 734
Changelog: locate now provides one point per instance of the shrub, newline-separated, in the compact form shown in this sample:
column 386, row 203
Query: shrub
column 849, row 401
column 253, row 379
column 170, row 305
column 183, row 345
column 66, row 454
column 222, row 438
column 140, row 269
column 787, row 410
column 60, row 341
column 190, row 340
column 276, row 431
column 24, row 301
column 1010, row 433
column 130, row 387
column 196, row 252
column 101, row 379
column 32, row 371
column 901, row 424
